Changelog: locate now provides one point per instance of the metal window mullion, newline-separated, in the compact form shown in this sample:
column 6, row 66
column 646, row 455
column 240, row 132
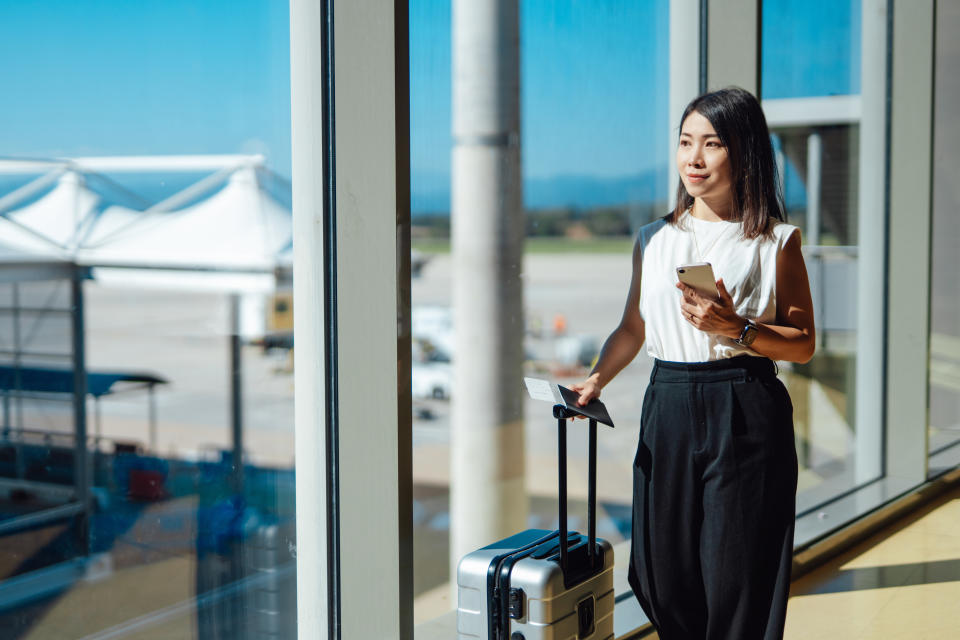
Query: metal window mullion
column 351, row 227
column 688, row 70
column 81, row 459
column 309, row 146
column 17, row 354
column 373, row 497
column 330, row 322
column 872, row 233
column 733, row 44
column 909, row 246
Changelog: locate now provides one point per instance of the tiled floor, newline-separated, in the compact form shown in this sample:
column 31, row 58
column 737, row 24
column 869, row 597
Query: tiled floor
column 901, row 583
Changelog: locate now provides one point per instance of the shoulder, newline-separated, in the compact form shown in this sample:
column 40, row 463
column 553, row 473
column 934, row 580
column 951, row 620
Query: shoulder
column 782, row 232
column 647, row 231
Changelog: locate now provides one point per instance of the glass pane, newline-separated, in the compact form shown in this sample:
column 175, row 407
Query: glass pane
column 945, row 287
column 810, row 48
column 595, row 156
column 147, row 463
column 817, row 145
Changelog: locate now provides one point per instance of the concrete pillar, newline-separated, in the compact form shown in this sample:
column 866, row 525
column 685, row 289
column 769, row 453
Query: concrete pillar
column 487, row 494
column 814, row 174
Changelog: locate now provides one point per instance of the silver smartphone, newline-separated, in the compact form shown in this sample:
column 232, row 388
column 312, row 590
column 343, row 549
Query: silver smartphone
column 700, row 277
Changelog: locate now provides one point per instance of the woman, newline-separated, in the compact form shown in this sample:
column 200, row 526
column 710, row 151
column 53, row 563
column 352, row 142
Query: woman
column 715, row 471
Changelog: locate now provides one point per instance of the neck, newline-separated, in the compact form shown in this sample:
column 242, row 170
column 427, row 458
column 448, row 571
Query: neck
column 712, row 209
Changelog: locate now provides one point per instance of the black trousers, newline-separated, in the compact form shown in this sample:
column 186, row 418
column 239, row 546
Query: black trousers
column 714, row 489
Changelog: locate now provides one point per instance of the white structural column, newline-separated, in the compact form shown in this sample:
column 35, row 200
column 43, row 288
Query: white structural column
column 726, row 50
column 351, row 286
column 684, row 74
column 487, row 495
column 733, row 44
column 911, row 212
column 814, row 179
column 871, row 243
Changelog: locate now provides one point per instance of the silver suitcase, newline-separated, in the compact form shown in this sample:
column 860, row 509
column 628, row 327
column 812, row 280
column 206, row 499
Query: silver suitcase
column 539, row 584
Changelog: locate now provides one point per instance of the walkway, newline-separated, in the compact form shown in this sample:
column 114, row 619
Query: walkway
column 903, row 582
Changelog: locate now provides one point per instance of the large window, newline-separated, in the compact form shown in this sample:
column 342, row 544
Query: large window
column 147, row 476
column 811, row 94
column 592, row 163
column 146, row 390
column 845, row 98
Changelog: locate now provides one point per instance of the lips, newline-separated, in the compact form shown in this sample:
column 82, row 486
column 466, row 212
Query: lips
column 696, row 177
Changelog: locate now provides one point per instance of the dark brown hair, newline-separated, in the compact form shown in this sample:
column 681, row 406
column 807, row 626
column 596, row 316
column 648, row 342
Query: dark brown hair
column 737, row 118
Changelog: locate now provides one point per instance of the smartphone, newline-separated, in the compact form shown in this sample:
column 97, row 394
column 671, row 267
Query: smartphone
column 700, row 277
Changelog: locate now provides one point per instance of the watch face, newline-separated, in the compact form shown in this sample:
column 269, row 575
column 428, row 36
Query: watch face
column 749, row 335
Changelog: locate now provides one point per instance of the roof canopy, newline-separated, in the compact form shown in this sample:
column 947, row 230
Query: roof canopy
column 232, row 239
column 60, row 380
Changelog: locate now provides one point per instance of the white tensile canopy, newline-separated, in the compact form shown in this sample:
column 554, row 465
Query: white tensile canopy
column 53, row 223
column 60, row 215
column 230, row 241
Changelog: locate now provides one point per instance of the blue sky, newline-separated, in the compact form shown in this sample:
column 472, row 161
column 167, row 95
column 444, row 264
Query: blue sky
column 99, row 77
column 593, row 78
column 812, row 48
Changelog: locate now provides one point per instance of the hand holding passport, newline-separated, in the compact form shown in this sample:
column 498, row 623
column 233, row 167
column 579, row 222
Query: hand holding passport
column 552, row 392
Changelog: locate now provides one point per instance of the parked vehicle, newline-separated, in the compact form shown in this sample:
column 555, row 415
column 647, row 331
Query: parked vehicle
column 432, row 380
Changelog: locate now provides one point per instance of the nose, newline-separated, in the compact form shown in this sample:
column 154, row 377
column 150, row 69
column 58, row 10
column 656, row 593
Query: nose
column 694, row 156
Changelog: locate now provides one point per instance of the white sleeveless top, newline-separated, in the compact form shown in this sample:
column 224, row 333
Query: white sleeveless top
column 748, row 269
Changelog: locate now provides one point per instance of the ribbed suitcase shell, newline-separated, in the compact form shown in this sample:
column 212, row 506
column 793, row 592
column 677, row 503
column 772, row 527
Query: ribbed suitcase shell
column 549, row 610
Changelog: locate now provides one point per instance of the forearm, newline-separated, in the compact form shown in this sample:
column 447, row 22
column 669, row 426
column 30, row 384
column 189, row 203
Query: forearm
column 781, row 342
column 618, row 351
column 777, row 342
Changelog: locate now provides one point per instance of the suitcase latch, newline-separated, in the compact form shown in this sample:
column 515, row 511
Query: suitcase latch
column 515, row 605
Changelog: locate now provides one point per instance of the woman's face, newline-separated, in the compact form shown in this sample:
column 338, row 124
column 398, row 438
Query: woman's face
column 702, row 160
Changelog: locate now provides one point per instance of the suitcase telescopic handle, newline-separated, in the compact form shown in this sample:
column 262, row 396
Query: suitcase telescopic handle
column 562, row 413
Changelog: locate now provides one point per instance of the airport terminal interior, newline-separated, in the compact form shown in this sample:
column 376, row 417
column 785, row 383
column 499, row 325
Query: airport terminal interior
column 450, row 191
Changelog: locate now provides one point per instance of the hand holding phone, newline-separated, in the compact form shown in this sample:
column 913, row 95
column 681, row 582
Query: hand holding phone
column 700, row 277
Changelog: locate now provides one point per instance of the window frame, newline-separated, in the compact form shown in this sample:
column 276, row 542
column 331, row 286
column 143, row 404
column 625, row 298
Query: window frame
column 351, row 182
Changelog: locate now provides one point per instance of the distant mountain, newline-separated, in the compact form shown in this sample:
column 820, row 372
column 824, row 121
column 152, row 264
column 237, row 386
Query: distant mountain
column 585, row 192
column 430, row 193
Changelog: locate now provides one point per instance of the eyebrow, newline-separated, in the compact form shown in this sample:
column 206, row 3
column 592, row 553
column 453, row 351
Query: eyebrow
column 709, row 135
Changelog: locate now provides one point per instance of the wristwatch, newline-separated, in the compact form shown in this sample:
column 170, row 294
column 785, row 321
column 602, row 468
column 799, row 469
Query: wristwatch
column 748, row 334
